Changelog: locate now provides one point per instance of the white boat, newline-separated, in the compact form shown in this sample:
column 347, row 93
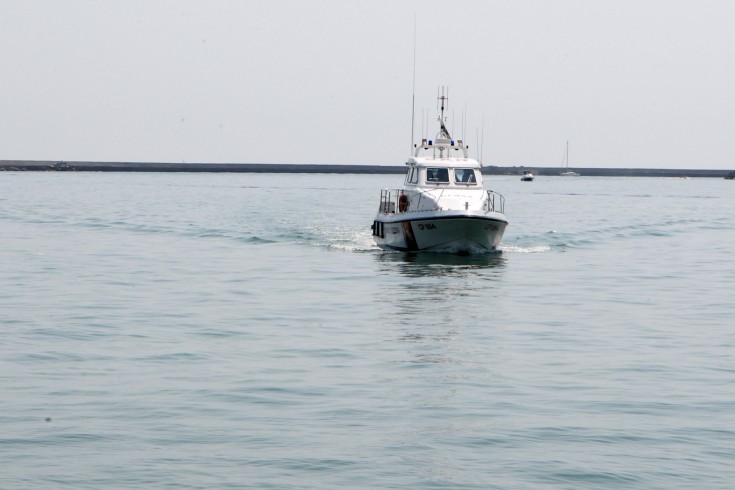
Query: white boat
column 527, row 176
column 442, row 205
column 565, row 165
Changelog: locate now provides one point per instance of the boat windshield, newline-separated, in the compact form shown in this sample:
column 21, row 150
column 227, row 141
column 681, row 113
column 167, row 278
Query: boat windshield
column 465, row 176
column 438, row 175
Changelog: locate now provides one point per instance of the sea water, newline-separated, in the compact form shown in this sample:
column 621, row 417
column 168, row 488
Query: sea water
column 243, row 331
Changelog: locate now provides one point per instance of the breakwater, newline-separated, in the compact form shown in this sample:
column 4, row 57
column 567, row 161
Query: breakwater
column 72, row 166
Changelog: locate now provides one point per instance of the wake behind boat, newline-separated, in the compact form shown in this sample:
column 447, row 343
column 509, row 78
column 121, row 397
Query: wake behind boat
column 443, row 205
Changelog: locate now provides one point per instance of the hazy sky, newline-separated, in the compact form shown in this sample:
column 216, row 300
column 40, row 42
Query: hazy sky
column 630, row 83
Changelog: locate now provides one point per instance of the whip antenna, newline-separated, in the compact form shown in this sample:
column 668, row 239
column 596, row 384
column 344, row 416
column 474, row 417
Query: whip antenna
column 482, row 143
column 413, row 89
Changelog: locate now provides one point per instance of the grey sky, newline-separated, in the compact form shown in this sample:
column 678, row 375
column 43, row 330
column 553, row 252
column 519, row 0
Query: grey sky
column 628, row 83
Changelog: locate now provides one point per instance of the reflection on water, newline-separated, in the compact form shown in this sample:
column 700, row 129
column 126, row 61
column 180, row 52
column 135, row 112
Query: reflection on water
column 437, row 314
column 428, row 264
column 418, row 337
column 429, row 300
column 428, row 283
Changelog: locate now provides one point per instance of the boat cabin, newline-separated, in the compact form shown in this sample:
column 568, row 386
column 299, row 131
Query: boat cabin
column 444, row 164
column 441, row 175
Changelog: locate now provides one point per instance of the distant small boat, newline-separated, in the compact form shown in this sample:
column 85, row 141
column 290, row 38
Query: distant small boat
column 730, row 175
column 565, row 165
column 527, row 176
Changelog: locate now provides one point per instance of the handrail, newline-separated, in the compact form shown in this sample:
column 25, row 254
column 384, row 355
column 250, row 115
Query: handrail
column 389, row 201
column 491, row 202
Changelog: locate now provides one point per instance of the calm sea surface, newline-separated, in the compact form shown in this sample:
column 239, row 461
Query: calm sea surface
column 242, row 331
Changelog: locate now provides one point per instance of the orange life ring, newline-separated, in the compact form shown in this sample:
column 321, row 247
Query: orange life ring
column 403, row 203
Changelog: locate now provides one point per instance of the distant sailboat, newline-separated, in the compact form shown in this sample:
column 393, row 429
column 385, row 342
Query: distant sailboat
column 565, row 165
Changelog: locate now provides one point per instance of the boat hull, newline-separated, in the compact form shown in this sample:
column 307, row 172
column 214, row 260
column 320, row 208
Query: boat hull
column 462, row 232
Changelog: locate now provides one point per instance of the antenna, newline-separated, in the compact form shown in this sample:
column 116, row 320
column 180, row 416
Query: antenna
column 464, row 122
column 477, row 136
column 423, row 130
column 413, row 89
column 443, row 103
column 482, row 142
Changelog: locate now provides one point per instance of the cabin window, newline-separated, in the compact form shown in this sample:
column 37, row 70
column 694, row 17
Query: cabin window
column 438, row 175
column 465, row 176
column 412, row 176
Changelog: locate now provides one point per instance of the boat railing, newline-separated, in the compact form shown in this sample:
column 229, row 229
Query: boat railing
column 389, row 200
column 495, row 202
